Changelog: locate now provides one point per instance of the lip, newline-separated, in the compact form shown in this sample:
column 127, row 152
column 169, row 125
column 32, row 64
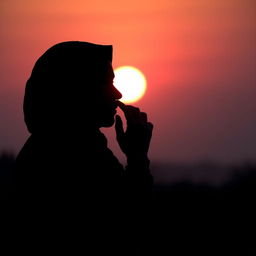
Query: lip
column 112, row 107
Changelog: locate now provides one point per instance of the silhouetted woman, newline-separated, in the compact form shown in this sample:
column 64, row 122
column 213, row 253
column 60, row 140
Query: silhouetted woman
column 66, row 175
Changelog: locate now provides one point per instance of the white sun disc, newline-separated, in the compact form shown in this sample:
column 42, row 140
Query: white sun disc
column 130, row 82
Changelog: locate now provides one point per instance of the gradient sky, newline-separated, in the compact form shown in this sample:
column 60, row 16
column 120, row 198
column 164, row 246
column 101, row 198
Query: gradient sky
column 199, row 58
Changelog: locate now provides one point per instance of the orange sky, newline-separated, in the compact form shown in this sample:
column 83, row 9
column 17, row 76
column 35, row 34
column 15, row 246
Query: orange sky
column 199, row 58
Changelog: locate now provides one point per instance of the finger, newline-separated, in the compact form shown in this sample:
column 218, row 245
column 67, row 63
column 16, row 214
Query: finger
column 143, row 117
column 127, row 109
column 119, row 126
column 121, row 105
column 132, row 114
column 132, row 109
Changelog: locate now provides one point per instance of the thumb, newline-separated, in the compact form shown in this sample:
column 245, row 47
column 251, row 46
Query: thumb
column 119, row 126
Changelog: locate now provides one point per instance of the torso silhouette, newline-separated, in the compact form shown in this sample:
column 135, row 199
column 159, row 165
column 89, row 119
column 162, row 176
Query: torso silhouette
column 54, row 168
column 80, row 187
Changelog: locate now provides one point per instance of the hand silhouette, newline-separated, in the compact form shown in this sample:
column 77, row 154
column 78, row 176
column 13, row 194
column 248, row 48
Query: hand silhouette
column 134, row 142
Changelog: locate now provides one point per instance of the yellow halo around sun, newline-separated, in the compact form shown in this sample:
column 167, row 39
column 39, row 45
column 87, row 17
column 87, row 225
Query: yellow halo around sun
column 131, row 82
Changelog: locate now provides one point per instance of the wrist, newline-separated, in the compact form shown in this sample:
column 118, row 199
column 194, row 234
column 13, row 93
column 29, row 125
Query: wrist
column 140, row 160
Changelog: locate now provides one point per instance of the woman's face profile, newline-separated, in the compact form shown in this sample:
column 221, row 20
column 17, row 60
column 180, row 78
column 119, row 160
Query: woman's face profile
column 71, row 87
column 106, row 96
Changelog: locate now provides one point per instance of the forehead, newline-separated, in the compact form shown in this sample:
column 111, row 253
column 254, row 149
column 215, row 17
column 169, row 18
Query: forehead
column 99, row 72
column 102, row 74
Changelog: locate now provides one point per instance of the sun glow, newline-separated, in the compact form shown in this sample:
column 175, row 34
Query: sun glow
column 131, row 82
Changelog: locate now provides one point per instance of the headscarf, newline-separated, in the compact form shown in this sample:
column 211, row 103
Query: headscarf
column 62, row 79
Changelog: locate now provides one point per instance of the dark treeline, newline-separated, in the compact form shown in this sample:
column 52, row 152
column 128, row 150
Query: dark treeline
column 191, row 217
column 206, row 219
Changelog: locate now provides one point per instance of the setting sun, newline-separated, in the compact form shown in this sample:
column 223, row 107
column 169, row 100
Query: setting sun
column 130, row 82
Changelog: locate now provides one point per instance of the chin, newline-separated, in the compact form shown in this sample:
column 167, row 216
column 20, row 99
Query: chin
column 107, row 122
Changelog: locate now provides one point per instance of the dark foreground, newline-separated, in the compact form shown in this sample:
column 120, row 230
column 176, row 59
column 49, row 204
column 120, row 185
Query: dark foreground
column 188, row 218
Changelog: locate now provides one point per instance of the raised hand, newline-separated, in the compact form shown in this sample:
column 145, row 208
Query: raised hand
column 135, row 141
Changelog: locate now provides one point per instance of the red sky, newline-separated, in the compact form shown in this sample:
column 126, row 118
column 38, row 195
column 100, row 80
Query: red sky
column 199, row 57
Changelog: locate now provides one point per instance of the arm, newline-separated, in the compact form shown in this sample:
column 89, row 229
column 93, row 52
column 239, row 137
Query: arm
column 134, row 142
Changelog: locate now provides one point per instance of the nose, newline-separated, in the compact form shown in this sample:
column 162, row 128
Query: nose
column 118, row 95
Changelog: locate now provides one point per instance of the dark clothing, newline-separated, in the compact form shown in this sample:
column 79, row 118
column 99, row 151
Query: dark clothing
column 77, row 169
column 80, row 186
